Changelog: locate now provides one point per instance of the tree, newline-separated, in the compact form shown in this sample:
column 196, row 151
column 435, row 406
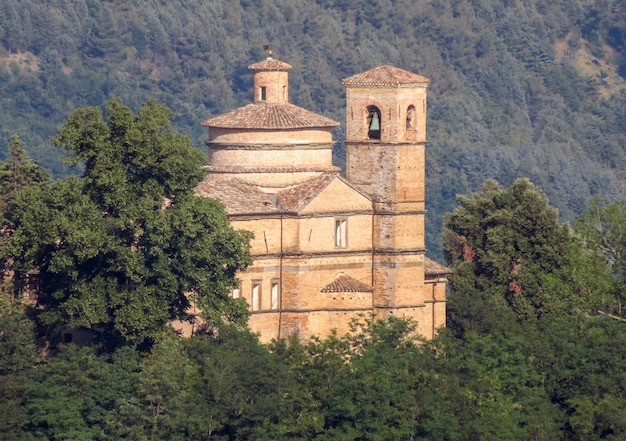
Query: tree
column 510, row 258
column 18, row 171
column 603, row 228
column 18, row 353
column 126, row 248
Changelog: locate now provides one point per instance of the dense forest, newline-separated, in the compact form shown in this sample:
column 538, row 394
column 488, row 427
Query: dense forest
column 533, row 348
column 527, row 125
column 519, row 89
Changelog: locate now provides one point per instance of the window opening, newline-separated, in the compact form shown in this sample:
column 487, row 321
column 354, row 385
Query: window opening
column 256, row 295
column 373, row 123
column 263, row 93
column 341, row 232
column 275, row 291
column 411, row 122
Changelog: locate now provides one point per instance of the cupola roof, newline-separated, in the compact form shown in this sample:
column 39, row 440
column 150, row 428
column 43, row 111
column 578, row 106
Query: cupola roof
column 270, row 116
column 270, row 64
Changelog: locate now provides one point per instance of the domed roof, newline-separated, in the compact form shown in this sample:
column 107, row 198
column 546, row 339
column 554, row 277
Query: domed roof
column 271, row 116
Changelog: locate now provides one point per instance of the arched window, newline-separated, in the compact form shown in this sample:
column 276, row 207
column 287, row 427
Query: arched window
column 411, row 119
column 374, row 122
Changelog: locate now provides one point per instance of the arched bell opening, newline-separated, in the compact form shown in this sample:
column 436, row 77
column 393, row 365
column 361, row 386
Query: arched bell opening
column 411, row 118
column 373, row 122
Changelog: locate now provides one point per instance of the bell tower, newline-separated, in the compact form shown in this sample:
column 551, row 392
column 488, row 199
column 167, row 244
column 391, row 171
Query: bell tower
column 385, row 157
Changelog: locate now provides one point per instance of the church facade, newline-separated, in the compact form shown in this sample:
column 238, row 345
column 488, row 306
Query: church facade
column 326, row 248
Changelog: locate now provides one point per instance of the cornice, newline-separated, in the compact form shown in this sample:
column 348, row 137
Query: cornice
column 271, row 170
column 256, row 146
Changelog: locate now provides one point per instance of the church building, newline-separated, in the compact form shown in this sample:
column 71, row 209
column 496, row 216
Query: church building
column 327, row 248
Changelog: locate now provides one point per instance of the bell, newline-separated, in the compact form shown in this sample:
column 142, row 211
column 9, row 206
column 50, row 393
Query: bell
column 375, row 123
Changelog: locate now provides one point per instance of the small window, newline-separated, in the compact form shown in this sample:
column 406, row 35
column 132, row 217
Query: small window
column 263, row 93
column 341, row 233
column 236, row 293
column 284, row 93
column 275, row 293
column 256, row 295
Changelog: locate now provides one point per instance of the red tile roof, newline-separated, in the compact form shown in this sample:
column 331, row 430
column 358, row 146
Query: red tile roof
column 240, row 197
column 295, row 198
column 385, row 76
column 237, row 196
column 266, row 115
column 344, row 283
column 270, row 64
column 432, row 268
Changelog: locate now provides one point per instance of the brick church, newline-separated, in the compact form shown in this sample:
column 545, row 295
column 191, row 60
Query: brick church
column 328, row 248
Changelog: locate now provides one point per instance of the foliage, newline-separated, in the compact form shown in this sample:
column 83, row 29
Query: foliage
column 378, row 383
column 518, row 89
column 603, row 227
column 128, row 247
column 513, row 261
column 18, row 171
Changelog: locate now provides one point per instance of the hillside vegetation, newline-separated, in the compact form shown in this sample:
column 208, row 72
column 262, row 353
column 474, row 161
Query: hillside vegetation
column 519, row 89
column 96, row 268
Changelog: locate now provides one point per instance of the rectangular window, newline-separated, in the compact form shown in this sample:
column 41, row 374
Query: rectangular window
column 256, row 295
column 236, row 293
column 341, row 233
column 284, row 93
column 263, row 93
column 275, row 294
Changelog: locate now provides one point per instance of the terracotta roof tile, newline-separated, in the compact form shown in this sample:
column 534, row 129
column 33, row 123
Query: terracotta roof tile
column 270, row 115
column 297, row 197
column 385, row 76
column 270, row 64
column 237, row 196
column 432, row 268
column 344, row 283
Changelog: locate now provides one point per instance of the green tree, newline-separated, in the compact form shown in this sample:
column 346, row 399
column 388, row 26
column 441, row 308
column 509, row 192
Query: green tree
column 18, row 354
column 128, row 247
column 583, row 368
column 74, row 392
column 504, row 246
column 603, row 227
column 18, row 171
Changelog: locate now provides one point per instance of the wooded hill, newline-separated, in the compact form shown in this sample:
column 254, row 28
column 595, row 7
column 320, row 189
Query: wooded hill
column 519, row 89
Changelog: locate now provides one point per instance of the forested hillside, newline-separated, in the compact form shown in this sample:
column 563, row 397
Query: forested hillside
column 96, row 267
column 519, row 89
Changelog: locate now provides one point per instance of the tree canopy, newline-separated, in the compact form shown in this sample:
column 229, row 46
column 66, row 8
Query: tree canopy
column 518, row 89
column 128, row 246
column 514, row 261
column 513, row 365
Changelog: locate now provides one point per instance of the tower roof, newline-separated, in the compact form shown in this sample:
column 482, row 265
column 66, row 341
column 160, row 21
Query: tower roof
column 270, row 116
column 385, row 76
column 270, row 64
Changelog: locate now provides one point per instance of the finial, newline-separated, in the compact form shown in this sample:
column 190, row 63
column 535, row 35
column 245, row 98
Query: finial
column 268, row 48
